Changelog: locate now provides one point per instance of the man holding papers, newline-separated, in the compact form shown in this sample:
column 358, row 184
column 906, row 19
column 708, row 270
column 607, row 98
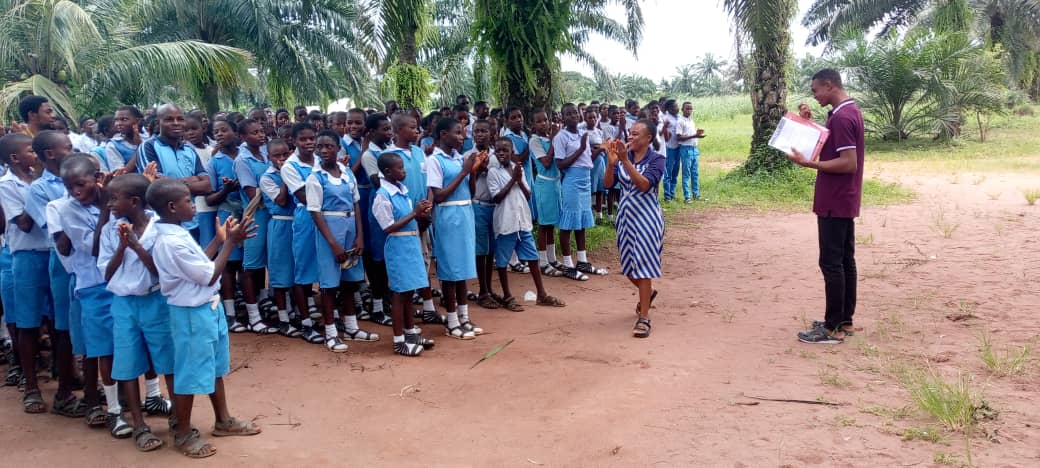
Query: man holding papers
column 839, row 183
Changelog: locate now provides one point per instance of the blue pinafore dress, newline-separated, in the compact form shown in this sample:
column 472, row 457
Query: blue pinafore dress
column 375, row 237
column 305, row 268
column 279, row 237
column 547, row 189
column 221, row 166
column 337, row 207
column 404, row 262
column 254, row 256
column 455, row 244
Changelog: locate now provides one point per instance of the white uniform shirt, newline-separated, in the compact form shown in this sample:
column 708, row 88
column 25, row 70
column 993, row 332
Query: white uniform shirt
column 184, row 269
column 131, row 278
column 382, row 208
column 672, row 128
column 513, row 213
column 292, row 178
column 79, row 223
column 566, row 143
column 54, row 227
column 686, row 127
column 434, row 173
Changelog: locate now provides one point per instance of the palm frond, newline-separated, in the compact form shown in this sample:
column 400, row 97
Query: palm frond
column 37, row 85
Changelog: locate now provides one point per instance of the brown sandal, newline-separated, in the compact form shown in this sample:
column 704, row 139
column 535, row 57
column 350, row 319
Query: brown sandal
column 143, row 437
column 512, row 304
column 235, row 427
column 487, row 302
column 193, row 446
column 33, row 403
column 550, row 301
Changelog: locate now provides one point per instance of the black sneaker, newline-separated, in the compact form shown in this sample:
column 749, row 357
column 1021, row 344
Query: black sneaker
column 158, row 406
column 818, row 335
column 845, row 328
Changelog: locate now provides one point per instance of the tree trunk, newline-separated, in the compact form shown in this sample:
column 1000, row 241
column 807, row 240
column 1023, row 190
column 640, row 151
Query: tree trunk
column 768, row 99
column 409, row 47
column 210, row 98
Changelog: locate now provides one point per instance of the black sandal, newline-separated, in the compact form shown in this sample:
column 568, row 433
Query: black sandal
column 415, row 338
column 381, row 318
column 14, row 375
column 70, row 407
column 642, row 328
column 33, row 403
column 586, row 267
column 143, row 437
column 574, row 274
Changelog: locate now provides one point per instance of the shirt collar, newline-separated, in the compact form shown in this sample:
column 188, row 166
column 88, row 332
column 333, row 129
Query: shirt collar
column 177, row 147
column 374, row 148
column 840, row 106
column 394, row 189
column 50, row 177
column 271, row 170
column 510, row 131
column 10, row 175
column 342, row 170
column 348, row 140
column 243, row 148
column 454, row 154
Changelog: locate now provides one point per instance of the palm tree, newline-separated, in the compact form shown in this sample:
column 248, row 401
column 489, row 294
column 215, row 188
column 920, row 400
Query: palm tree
column 305, row 50
column 709, row 66
column 1014, row 24
column 766, row 24
column 525, row 39
column 80, row 54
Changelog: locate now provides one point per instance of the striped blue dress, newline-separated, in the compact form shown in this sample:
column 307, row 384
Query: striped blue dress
column 640, row 223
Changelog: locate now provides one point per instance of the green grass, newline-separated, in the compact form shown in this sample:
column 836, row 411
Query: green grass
column 952, row 403
column 1032, row 196
column 787, row 190
column 1010, row 362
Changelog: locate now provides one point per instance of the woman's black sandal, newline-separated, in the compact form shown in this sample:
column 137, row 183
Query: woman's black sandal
column 642, row 328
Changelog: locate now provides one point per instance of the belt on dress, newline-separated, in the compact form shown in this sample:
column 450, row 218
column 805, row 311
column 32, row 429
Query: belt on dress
column 540, row 176
column 484, row 203
column 455, row 203
column 360, row 186
column 342, row 214
column 282, row 217
column 404, row 233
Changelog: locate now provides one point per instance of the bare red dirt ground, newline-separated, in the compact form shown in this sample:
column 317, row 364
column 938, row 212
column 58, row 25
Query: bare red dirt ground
column 573, row 389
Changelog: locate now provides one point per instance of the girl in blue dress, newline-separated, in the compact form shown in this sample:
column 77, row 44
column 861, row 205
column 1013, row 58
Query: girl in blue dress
column 640, row 224
column 226, row 198
column 454, row 242
column 332, row 200
column 396, row 215
column 281, row 204
column 545, row 192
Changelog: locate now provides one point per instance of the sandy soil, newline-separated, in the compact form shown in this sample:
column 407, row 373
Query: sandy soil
column 574, row 390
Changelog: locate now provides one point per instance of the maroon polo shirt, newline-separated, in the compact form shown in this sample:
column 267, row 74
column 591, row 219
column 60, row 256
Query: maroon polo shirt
column 839, row 195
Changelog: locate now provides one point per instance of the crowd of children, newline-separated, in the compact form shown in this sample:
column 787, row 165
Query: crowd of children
column 141, row 254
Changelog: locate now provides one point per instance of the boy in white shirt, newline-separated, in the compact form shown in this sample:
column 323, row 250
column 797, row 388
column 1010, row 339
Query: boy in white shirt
column 188, row 280
column 512, row 223
column 686, row 136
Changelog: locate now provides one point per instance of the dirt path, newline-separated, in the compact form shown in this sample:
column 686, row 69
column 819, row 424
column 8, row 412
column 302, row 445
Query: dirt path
column 574, row 390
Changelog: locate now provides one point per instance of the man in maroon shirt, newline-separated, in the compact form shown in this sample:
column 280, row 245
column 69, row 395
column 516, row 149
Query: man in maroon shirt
column 839, row 188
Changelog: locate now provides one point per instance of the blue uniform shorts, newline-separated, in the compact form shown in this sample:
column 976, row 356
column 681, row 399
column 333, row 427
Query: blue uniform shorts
column 141, row 327
column 96, row 310
column 60, row 297
column 521, row 242
column 201, row 351
column 32, row 291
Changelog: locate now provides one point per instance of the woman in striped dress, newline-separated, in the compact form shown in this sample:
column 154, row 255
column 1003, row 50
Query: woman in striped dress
column 640, row 224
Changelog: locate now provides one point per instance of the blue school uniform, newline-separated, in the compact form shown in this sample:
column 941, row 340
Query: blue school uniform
column 178, row 162
column 305, row 267
column 334, row 198
column 201, row 350
column 222, row 166
column 455, row 242
column 547, row 190
column 118, row 152
column 30, row 255
column 248, row 170
column 375, row 238
column 60, row 271
column 44, row 190
column 352, row 148
column 140, row 317
column 79, row 223
column 279, row 231
column 576, row 199
column 6, row 284
column 404, row 261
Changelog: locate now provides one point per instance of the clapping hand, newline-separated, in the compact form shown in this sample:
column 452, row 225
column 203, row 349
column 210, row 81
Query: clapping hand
column 237, row 232
column 151, row 171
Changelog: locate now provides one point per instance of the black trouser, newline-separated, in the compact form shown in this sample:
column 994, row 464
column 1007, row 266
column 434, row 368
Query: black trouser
column 838, row 264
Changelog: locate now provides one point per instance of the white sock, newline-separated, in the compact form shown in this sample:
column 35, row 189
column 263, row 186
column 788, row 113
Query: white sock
column 307, row 322
column 550, row 252
column 599, row 215
column 463, row 311
column 377, row 306
column 453, row 319
column 513, row 260
column 229, row 308
column 310, row 301
column 567, row 262
column 399, row 339
column 283, row 315
column 330, row 331
column 151, row 387
column 254, row 312
column 582, row 257
column 335, row 313
column 112, row 397
column 350, row 322
column 4, row 334
column 542, row 261
column 427, row 304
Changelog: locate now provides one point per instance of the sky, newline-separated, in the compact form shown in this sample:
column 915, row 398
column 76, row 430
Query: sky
column 677, row 32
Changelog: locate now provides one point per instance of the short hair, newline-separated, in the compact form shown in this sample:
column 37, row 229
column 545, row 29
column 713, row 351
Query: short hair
column 373, row 121
column 280, row 111
column 337, row 114
column 329, row 134
column 46, row 140
column 301, row 126
column 83, row 120
column 651, row 127
column 687, row 102
column 235, row 117
column 630, row 103
column 243, row 126
column 30, row 104
column 105, row 124
column 285, row 131
column 357, row 110
column 399, row 120
column 163, row 191
column 78, row 165
column 232, row 125
column 300, row 107
column 460, row 97
column 277, row 141
column 566, row 105
column 611, row 108
column 669, row 103
column 480, row 103
column 482, row 122
column 386, row 159
column 133, row 184
column 444, row 125
column 593, row 102
column 460, row 108
column 510, row 109
column 133, row 110
column 829, row 75
column 507, row 140
column 12, row 143
column 62, row 120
